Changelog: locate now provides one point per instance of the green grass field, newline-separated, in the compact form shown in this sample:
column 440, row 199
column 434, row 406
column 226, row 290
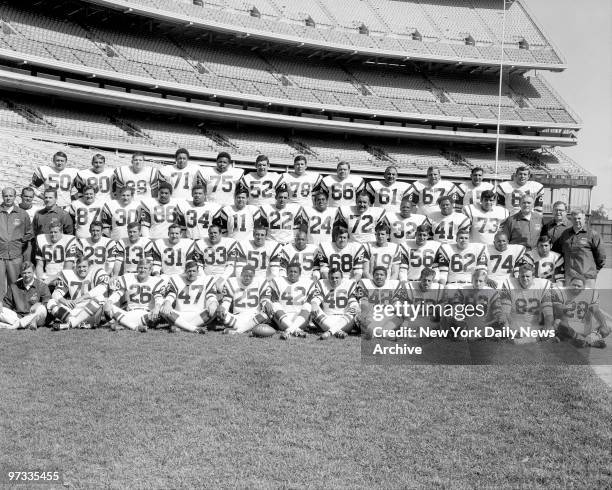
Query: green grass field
column 156, row 410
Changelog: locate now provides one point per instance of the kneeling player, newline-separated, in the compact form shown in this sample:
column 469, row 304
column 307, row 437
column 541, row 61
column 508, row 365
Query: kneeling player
column 335, row 305
column 143, row 295
column 576, row 311
column 78, row 296
column 289, row 301
column 194, row 297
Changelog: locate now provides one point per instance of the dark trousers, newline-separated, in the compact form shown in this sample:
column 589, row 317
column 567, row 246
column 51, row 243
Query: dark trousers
column 9, row 273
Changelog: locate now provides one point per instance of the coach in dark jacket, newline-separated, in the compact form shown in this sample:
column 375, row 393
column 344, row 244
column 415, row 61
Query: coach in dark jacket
column 524, row 227
column 558, row 224
column 582, row 250
column 51, row 212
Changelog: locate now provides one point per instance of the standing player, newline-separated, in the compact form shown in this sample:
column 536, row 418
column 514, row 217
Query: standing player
column 98, row 176
column 262, row 183
column 216, row 254
column 221, row 181
column 471, row 192
column 156, row 215
column 97, row 249
column 382, row 253
column 181, row 176
column 485, row 218
column 58, row 177
column 319, row 219
column 446, row 222
column 54, row 252
column 418, row 254
column 388, row 193
column 302, row 253
column 342, row 255
column 548, row 264
column 361, row 219
column 170, row 254
column 509, row 193
column 130, row 251
column 504, row 258
column 194, row 298
column 261, row 254
column 405, row 223
column 197, row 215
column 138, row 177
column 300, row 183
column 239, row 218
column 85, row 211
column 342, row 187
column 427, row 193
column 117, row 215
column 457, row 261
column 282, row 218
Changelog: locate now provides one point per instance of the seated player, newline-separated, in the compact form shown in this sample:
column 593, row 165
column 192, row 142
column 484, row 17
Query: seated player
column 548, row 265
column 383, row 253
column 171, row 254
column 239, row 218
column 404, row 224
column 131, row 250
column 335, row 305
column 99, row 176
column 116, row 215
column 471, row 192
column 191, row 300
column 446, row 222
column 509, row 193
column 262, row 254
column 428, row 295
column 143, row 295
column 426, row 194
column 282, row 218
column 138, row 176
column 85, row 211
column 54, row 252
column 504, row 259
column 361, row 219
column 301, row 183
column 23, row 306
column 197, row 215
column 418, row 254
column 241, row 308
column 79, row 296
column 216, row 254
column 485, row 218
column 262, row 183
column 221, row 181
column 389, row 192
column 181, row 176
column 301, row 252
column 289, row 305
column 341, row 254
column 319, row 219
column 457, row 261
column 98, row 249
column 524, row 300
column 342, row 187
column 157, row 214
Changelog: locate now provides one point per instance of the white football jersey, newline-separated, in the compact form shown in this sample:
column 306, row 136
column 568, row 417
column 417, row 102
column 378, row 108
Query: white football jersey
column 101, row 253
column 157, row 217
column 241, row 298
column 142, row 182
column 189, row 297
column 239, row 223
column 426, row 196
column 262, row 190
column 265, row 258
column 181, row 179
column 300, row 187
column 116, row 217
column 129, row 254
column 390, row 292
column 549, row 267
column 171, row 258
column 361, row 226
column 220, row 186
column 509, row 195
column 470, row 194
column 55, row 255
column 348, row 259
column 342, row 192
column 484, row 224
column 577, row 308
column 387, row 256
column 526, row 305
column 51, row 178
column 218, row 259
column 415, row 258
column 84, row 215
column 292, row 297
column 197, row 219
column 445, row 228
column 281, row 223
column 95, row 283
column 388, row 197
column 504, row 264
column 403, row 229
column 289, row 254
column 142, row 295
column 103, row 181
column 430, row 302
column 319, row 224
column 460, row 264
column 334, row 301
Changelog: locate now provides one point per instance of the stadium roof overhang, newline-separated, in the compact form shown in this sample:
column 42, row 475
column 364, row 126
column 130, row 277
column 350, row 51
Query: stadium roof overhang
column 25, row 83
column 258, row 39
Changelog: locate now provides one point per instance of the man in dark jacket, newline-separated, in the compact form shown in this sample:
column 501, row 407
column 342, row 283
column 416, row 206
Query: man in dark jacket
column 558, row 224
column 24, row 305
column 51, row 212
column 524, row 227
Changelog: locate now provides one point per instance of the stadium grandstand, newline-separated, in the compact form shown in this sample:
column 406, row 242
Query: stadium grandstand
column 371, row 82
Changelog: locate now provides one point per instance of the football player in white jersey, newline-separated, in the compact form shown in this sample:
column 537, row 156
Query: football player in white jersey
column 221, row 181
column 389, row 192
column 54, row 252
column 130, row 251
column 504, row 259
column 343, row 186
column 58, row 177
column 216, row 254
column 301, row 183
column 447, row 222
column 171, row 254
column 99, row 176
column 97, row 249
column 509, row 193
column 197, row 215
column 79, row 296
column 156, row 215
column 341, row 254
column 524, row 301
column 242, row 307
column 418, row 254
column 239, row 218
column 262, row 183
column 485, row 218
column 302, row 253
column 470, row 192
column 116, row 215
column 262, row 254
column 143, row 295
column 191, row 300
column 361, row 219
column 282, row 218
column 289, row 302
column 181, row 176
column 335, row 305
column 405, row 223
column 319, row 219
column 426, row 194
column 577, row 315
column 137, row 176
column 382, row 253
column 457, row 261
column 85, row 211
column 429, row 296
column 548, row 265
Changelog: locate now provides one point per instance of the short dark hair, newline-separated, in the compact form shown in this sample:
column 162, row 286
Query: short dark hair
column 427, row 272
column 338, row 230
column 28, row 189
column 343, row 162
column 181, row 151
column 476, row 169
column 60, row 154
column 261, row 158
column 96, row 223
column 380, row 268
column 298, row 158
column 165, row 185
column 98, row 156
column 91, row 187
column 424, row 228
column 133, row 224
column 224, row 154
column 487, row 195
column 441, row 199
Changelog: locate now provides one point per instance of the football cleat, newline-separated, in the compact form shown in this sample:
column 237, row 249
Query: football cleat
column 201, row 330
column 340, row 334
column 285, row 336
column 299, row 333
column 325, row 336
column 85, row 325
column 172, row 329
column 143, row 328
column 229, row 331
column 598, row 344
